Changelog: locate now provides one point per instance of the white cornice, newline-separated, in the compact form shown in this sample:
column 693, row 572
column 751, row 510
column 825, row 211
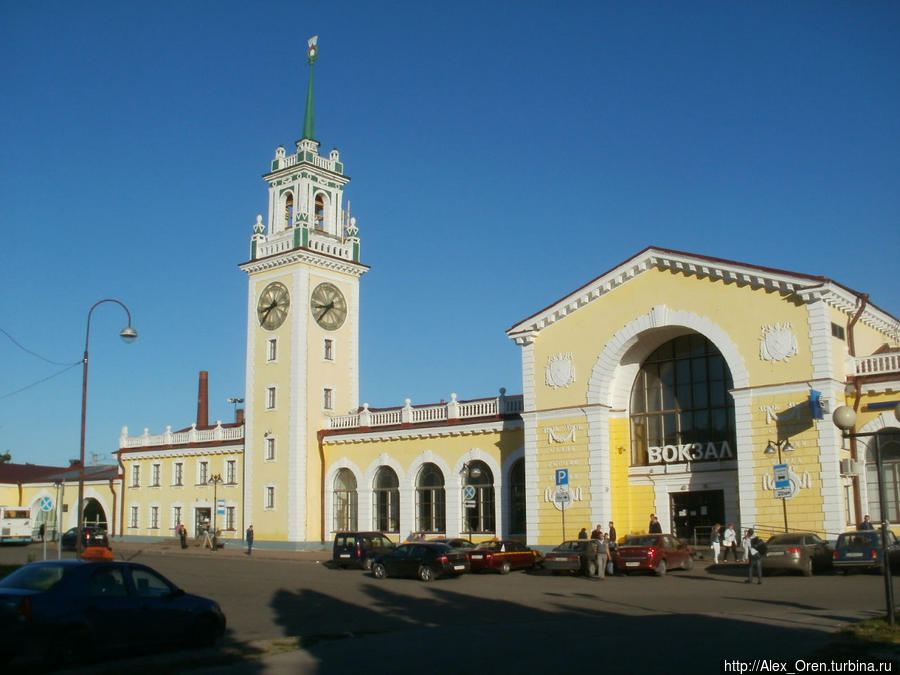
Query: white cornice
column 304, row 256
column 406, row 433
column 174, row 453
column 807, row 288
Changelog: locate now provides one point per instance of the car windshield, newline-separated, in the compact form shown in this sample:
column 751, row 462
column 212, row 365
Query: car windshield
column 786, row 540
column 651, row 540
column 34, row 577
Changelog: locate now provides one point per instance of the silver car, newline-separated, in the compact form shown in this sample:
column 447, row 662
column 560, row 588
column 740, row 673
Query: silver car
column 802, row 552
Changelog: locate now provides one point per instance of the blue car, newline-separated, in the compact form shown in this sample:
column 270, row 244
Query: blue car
column 70, row 610
column 863, row 549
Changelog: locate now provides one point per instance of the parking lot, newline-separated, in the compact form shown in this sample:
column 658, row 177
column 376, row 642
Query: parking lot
column 345, row 620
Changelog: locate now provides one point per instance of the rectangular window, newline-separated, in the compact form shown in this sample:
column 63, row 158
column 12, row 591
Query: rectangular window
column 136, row 475
column 178, row 478
column 838, row 332
column 272, row 350
column 133, row 521
column 154, row 517
column 328, row 352
column 202, row 473
column 270, row 449
column 231, row 472
column 270, row 398
column 328, row 399
column 229, row 518
column 154, row 475
column 270, row 496
column 176, row 515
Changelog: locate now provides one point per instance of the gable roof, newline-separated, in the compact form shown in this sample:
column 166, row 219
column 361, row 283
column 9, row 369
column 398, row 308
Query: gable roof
column 34, row 473
column 807, row 287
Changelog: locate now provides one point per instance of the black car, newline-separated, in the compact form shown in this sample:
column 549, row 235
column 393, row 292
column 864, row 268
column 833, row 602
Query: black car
column 573, row 556
column 357, row 549
column 425, row 560
column 91, row 536
column 66, row 610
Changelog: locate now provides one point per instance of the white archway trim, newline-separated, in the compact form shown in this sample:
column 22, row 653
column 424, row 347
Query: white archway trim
column 454, row 496
column 330, row 476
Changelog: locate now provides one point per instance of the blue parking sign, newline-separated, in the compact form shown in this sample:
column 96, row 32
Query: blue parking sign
column 562, row 476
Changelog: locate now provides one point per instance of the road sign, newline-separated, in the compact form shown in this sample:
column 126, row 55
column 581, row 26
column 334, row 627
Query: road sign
column 469, row 492
column 782, row 476
column 46, row 504
column 562, row 495
column 470, row 504
column 784, row 492
column 562, row 476
column 220, row 507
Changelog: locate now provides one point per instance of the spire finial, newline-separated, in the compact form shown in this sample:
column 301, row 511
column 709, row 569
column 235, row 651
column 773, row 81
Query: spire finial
column 309, row 122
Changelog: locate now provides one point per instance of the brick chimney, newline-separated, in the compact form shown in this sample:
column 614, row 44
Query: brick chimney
column 239, row 415
column 203, row 401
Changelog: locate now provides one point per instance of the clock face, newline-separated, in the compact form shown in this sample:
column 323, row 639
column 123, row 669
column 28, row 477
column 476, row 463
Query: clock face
column 328, row 306
column 273, row 305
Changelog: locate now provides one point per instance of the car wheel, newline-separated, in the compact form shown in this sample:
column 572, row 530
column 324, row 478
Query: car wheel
column 660, row 570
column 205, row 632
column 367, row 564
column 426, row 573
column 807, row 569
column 505, row 567
column 688, row 564
column 378, row 571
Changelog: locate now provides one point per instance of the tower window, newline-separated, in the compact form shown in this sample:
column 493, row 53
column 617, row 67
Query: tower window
column 320, row 212
column 272, row 350
column 270, row 398
column 270, row 449
column 328, row 350
column 328, row 399
column 288, row 210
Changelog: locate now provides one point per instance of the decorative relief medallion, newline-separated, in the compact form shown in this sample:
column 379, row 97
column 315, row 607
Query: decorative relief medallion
column 778, row 342
column 565, row 434
column 560, row 371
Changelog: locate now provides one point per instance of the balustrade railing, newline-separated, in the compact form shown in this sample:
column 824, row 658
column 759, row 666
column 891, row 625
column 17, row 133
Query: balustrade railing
column 192, row 435
column 453, row 410
column 877, row 364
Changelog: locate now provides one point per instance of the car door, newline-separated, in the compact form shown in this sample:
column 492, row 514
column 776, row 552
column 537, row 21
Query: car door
column 110, row 609
column 161, row 611
column 397, row 563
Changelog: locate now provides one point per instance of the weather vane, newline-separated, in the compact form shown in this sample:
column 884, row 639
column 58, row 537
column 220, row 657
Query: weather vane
column 313, row 52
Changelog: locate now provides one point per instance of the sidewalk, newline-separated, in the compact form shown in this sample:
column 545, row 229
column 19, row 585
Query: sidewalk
column 232, row 549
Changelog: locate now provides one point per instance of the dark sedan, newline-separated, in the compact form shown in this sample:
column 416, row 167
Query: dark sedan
column 425, row 560
column 863, row 549
column 91, row 536
column 454, row 542
column 802, row 552
column 575, row 555
column 655, row 553
column 502, row 555
column 67, row 610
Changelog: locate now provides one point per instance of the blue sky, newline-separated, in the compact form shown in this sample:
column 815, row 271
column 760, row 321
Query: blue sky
column 502, row 155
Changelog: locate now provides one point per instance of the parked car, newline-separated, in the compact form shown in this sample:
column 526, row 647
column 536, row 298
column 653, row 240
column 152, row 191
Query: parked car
column 453, row 542
column 91, row 536
column 802, row 552
column 425, row 560
column 655, row 553
column 862, row 549
column 67, row 610
column 502, row 555
column 573, row 556
column 358, row 549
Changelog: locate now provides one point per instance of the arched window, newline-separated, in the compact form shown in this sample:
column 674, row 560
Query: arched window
column 478, row 499
column 517, row 500
column 386, row 500
column 890, row 461
column 680, row 398
column 289, row 210
column 344, row 500
column 430, row 500
column 319, row 215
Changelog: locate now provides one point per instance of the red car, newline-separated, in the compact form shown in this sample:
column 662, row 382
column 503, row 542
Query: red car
column 655, row 553
column 502, row 555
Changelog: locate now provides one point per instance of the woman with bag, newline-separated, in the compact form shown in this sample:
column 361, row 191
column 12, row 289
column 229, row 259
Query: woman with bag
column 715, row 542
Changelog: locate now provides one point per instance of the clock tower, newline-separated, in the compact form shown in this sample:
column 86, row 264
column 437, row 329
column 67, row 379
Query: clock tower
column 302, row 334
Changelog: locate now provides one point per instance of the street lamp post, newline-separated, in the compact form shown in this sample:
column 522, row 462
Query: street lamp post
column 771, row 449
column 128, row 334
column 470, row 472
column 845, row 419
column 215, row 480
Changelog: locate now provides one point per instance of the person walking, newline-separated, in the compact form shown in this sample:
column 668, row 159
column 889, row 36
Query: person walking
column 729, row 543
column 715, row 542
column 583, row 534
column 602, row 555
column 613, row 539
column 753, row 554
column 250, row 540
column 597, row 532
column 182, row 534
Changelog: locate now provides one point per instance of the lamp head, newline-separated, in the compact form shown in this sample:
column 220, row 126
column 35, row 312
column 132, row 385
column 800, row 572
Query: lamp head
column 844, row 417
column 788, row 447
column 770, row 448
column 128, row 334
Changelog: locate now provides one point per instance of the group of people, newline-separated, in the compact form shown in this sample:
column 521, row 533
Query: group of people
column 752, row 547
column 606, row 546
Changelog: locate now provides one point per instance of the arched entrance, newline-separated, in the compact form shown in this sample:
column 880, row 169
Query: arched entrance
column 94, row 514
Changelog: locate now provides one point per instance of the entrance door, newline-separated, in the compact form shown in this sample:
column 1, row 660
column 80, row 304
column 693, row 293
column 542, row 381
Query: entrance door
column 694, row 514
column 202, row 522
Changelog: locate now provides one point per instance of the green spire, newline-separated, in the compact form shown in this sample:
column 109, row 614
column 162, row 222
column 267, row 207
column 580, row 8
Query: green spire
column 309, row 122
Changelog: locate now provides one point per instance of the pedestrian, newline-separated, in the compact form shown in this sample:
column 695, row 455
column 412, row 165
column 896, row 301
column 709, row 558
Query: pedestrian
column 613, row 540
column 250, row 540
column 182, row 534
column 655, row 525
column 729, row 543
column 602, row 555
column 715, row 542
column 754, row 549
column 610, row 565
column 866, row 524
column 41, row 531
column 583, row 534
column 597, row 532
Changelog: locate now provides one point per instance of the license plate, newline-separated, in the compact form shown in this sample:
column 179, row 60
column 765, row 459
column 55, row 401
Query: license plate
column 459, row 567
column 345, row 555
column 477, row 557
column 773, row 553
column 632, row 564
column 854, row 555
